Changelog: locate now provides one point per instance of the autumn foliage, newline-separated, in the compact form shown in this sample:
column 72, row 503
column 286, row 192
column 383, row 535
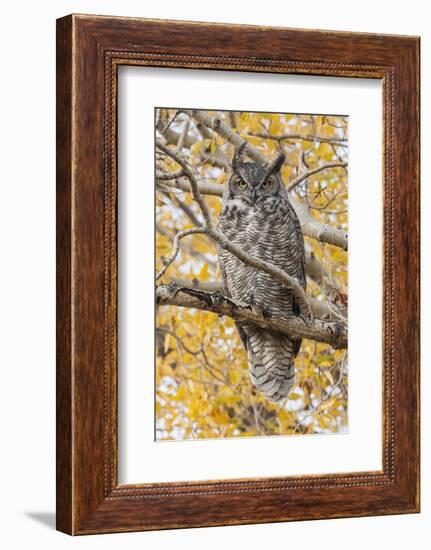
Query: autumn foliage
column 203, row 389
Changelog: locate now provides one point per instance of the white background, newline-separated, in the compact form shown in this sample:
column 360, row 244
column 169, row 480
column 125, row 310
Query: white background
column 27, row 276
column 141, row 458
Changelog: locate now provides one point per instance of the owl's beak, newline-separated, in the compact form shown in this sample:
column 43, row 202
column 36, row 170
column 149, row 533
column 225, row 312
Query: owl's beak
column 253, row 195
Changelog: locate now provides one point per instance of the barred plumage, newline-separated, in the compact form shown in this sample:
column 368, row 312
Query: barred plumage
column 258, row 216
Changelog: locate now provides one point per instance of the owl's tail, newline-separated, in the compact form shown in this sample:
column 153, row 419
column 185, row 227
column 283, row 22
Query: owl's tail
column 270, row 362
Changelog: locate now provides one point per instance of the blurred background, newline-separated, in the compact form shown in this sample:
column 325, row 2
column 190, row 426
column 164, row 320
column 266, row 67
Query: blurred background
column 203, row 388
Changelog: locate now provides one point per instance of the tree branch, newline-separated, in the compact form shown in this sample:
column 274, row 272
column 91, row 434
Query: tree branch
column 194, row 185
column 205, row 286
column 205, row 188
column 319, row 308
column 313, row 171
column 217, row 159
column 200, row 256
column 217, row 125
column 186, row 209
column 317, row 230
column 183, row 135
column 165, row 176
column 329, row 332
column 334, row 141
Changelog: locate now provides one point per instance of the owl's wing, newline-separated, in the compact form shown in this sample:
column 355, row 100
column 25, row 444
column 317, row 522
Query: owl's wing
column 241, row 334
column 302, row 276
column 296, row 347
column 301, row 268
column 300, row 243
column 226, row 285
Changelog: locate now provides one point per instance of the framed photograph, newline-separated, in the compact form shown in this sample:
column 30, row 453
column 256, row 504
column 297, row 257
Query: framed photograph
column 237, row 274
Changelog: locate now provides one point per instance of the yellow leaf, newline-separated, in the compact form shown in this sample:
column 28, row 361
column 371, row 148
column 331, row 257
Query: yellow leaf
column 203, row 274
column 167, row 343
column 294, row 396
column 196, row 148
column 180, row 393
column 329, row 376
column 222, row 177
column 326, row 421
column 234, row 377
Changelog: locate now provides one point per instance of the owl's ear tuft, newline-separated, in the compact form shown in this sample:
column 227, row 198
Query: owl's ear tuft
column 276, row 164
column 237, row 158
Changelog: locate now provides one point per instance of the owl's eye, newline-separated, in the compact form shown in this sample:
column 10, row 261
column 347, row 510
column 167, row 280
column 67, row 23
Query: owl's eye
column 265, row 184
column 242, row 184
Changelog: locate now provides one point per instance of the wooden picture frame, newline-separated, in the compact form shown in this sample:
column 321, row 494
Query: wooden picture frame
column 89, row 51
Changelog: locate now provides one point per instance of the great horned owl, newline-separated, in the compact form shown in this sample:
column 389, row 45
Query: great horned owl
column 258, row 217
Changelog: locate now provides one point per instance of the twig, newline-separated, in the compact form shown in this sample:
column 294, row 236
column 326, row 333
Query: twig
column 187, row 210
column 183, row 135
column 194, row 186
column 200, row 256
column 335, row 141
column 227, row 133
column 313, row 171
column 165, row 176
column 167, row 261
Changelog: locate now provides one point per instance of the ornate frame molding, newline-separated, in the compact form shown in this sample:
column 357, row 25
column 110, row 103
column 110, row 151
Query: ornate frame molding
column 89, row 498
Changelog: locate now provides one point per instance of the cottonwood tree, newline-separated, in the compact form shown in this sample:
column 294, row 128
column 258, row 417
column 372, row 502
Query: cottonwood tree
column 202, row 383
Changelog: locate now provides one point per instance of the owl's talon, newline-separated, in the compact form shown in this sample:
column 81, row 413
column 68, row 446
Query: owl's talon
column 266, row 313
column 217, row 298
column 258, row 309
column 172, row 289
column 308, row 320
column 255, row 308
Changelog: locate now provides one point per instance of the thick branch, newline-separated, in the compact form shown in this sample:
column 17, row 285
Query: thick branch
column 204, row 187
column 205, row 286
column 329, row 332
column 317, row 230
column 320, row 309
